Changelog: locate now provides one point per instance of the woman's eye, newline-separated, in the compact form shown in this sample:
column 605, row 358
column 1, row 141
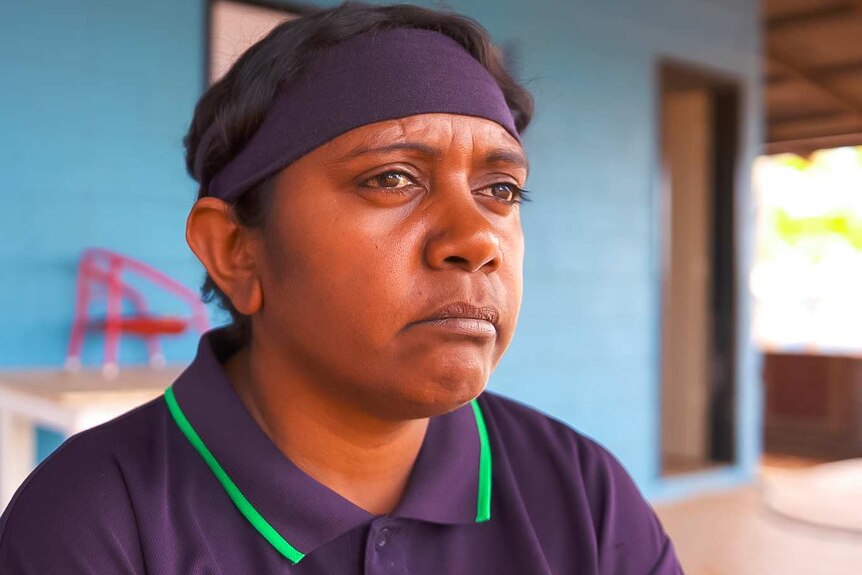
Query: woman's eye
column 506, row 192
column 389, row 180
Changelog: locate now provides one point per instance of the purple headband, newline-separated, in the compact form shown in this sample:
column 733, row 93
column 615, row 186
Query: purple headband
column 365, row 79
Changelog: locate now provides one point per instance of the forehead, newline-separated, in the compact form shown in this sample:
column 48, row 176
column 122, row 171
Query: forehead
column 439, row 130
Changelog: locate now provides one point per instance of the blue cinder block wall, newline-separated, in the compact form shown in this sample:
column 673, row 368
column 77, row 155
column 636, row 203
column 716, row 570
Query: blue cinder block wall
column 97, row 95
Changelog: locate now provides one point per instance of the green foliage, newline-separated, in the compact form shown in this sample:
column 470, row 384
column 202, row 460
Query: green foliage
column 844, row 225
column 798, row 163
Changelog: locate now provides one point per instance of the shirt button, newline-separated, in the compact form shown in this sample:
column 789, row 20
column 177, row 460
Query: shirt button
column 383, row 537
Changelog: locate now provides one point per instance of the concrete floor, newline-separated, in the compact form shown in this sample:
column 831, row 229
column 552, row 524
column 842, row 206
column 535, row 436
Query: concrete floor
column 733, row 533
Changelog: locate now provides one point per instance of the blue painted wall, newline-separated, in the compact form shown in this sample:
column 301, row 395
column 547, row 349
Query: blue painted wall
column 97, row 95
column 95, row 100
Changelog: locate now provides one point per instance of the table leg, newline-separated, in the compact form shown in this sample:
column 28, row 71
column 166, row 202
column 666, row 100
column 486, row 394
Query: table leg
column 17, row 453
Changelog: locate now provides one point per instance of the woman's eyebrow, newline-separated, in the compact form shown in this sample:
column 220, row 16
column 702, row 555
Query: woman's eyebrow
column 495, row 156
column 417, row 147
column 503, row 156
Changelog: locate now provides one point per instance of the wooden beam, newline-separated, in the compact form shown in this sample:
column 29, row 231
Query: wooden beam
column 776, row 79
column 807, row 145
column 838, row 69
column 818, row 72
column 808, row 118
column 840, row 133
column 846, row 101
column 807, row 17
column 813, row 129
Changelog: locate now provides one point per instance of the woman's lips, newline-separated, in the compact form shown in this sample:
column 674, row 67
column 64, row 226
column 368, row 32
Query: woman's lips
column 461, row 326
column 461, row 319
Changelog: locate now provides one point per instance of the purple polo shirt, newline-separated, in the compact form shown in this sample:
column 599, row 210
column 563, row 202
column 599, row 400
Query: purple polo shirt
column 189, row 484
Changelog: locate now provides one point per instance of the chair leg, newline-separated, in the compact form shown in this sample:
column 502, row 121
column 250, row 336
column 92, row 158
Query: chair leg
column 110, row 367
column 79, row 323
column 154, row 346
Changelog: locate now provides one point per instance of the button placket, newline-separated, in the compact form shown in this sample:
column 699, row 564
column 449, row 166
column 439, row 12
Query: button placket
column 383, row 537
column 384, row 553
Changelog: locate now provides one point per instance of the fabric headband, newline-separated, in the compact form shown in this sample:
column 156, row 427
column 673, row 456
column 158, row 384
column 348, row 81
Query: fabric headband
column 365, row 79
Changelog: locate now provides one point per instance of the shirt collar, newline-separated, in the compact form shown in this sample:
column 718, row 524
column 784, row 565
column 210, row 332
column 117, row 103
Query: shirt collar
column 284, row 503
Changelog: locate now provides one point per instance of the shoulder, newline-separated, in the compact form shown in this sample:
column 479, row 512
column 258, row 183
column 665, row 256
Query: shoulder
column 542, row 437
column 572, row 474
column 73, row 514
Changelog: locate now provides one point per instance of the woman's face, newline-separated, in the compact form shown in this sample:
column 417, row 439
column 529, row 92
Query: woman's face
column 376, row 236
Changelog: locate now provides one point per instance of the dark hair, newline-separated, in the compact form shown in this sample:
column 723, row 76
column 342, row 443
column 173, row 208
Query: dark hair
column 235, row 106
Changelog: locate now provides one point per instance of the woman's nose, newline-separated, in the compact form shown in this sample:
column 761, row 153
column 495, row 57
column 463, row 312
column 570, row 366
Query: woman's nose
column 462, row 236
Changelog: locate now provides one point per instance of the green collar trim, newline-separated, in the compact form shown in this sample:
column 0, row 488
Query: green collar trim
column 483, row 505
column 245, row 507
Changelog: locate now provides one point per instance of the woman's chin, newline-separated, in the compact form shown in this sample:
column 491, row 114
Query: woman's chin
column 429, row 397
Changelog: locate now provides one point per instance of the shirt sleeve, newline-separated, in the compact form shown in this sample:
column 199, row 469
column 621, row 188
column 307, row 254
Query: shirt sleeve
column 630, row 536
column 72, row 516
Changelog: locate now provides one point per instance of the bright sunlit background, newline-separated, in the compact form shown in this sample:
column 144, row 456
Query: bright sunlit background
column 807, row 278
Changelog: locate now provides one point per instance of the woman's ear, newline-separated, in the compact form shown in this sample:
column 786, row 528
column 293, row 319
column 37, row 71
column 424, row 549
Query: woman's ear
column 228, row 251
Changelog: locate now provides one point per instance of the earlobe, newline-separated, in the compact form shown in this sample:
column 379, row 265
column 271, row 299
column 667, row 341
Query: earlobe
column 249, row 300
column 226, row 250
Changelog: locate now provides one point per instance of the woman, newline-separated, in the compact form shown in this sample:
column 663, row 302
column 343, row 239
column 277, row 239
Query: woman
column 361, row 174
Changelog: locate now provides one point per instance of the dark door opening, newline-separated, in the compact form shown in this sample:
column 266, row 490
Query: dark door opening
column 699, row 145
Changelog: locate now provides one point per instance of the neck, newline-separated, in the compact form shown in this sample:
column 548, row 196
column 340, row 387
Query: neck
column 363, row 458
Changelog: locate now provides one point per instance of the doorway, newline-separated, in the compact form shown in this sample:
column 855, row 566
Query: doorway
column 699, row 144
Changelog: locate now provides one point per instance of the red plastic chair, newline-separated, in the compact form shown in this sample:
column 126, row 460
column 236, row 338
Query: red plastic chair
column 100, row 275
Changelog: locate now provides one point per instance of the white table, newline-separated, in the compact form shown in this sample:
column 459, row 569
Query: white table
column 68, row 402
